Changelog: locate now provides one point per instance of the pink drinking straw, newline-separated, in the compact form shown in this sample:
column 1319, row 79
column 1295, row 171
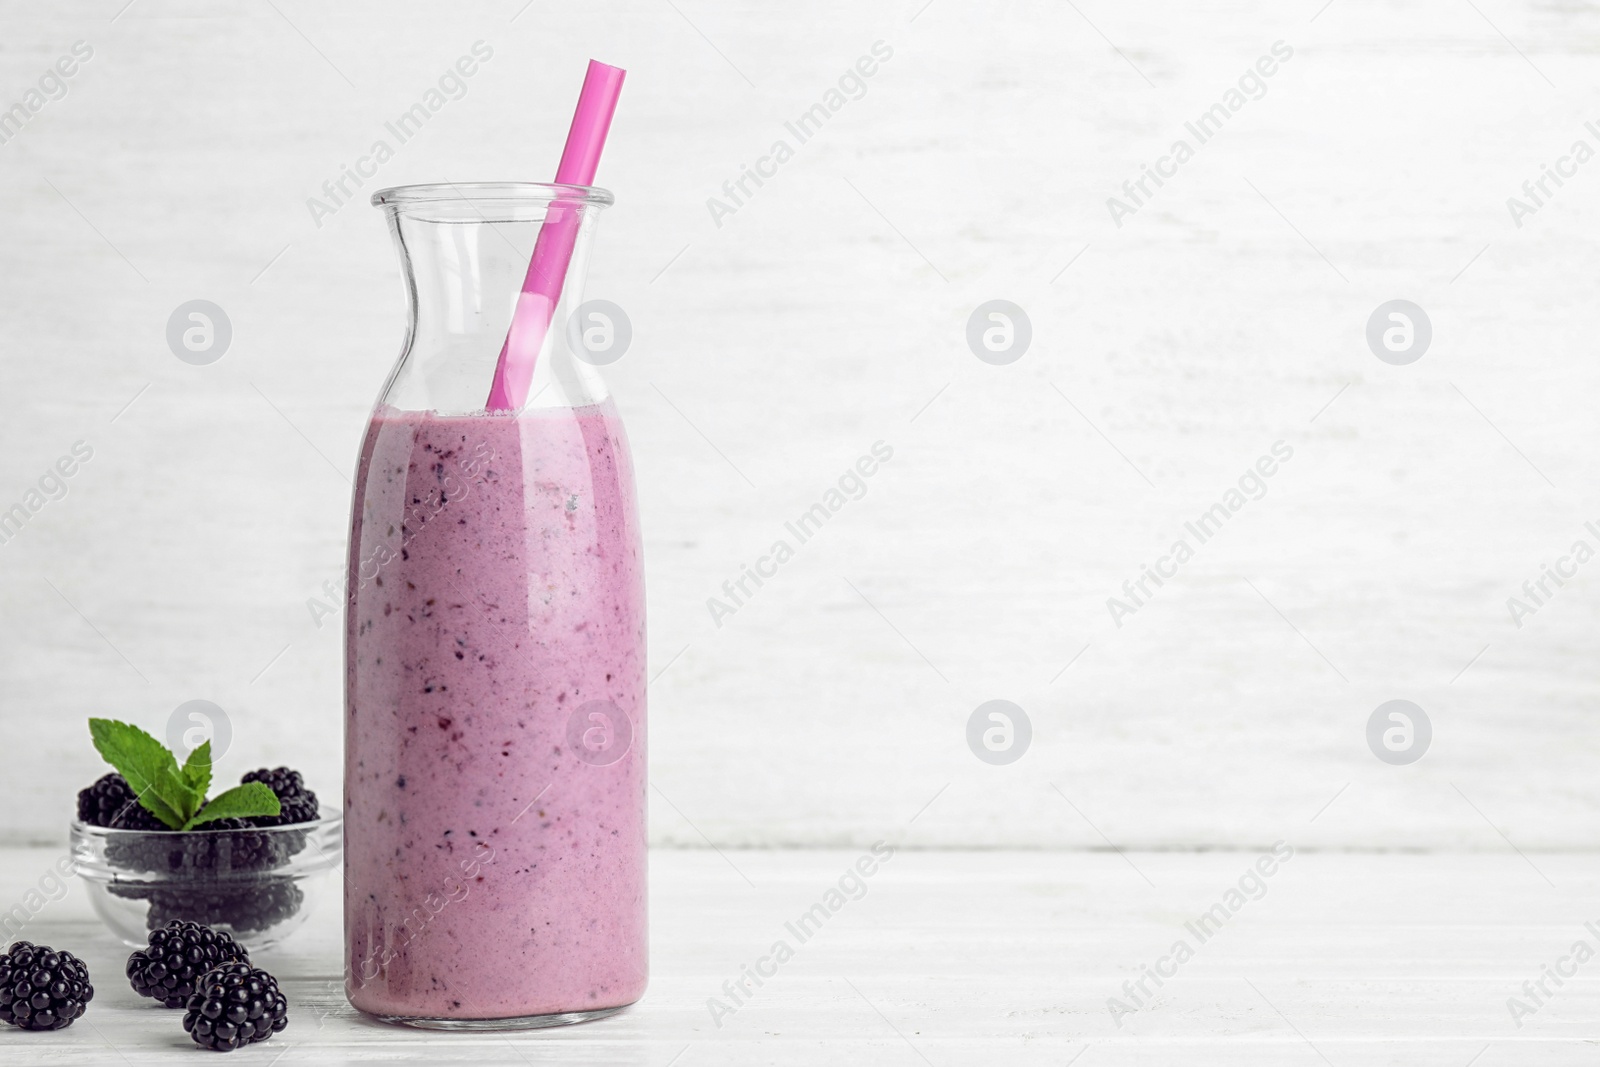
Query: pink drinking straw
column 552, row 252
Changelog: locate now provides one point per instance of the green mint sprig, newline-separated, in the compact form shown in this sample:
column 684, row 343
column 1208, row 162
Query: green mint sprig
column 175, row 795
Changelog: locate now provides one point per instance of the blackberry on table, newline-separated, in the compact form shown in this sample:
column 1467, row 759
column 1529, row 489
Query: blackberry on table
column 102, row 803
column 178, row 955
column 299, row 804
column 233, row 1006
column 42, row 989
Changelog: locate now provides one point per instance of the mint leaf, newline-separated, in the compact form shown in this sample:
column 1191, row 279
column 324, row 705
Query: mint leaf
column 172, row 787
column 197, row 770
column 152, row 772
column 240, row 802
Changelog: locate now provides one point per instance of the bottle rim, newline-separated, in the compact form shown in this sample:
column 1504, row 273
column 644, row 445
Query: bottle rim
column 400, row 197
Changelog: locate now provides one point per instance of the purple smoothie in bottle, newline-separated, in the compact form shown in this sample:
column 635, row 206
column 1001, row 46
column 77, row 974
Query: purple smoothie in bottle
column 495, row 718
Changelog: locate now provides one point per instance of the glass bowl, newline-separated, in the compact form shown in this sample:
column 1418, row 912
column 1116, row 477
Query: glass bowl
column 252, row 883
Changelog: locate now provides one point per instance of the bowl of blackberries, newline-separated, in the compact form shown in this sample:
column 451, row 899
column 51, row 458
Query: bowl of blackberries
column 155, row 843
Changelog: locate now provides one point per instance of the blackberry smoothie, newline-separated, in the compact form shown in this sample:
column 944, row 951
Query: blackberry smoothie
column 495, row 718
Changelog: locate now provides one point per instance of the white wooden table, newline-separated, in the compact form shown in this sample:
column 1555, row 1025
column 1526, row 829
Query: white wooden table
column 983, row 957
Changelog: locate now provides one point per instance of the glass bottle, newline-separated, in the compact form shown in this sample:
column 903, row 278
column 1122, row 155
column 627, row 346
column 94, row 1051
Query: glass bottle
column 494, row 648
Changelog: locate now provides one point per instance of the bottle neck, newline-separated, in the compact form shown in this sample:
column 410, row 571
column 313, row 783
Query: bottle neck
column 463, row 279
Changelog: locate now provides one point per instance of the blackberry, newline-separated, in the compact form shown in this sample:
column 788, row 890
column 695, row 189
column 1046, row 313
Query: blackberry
column 103, row 802
column 244, row 907
column 136, row 817
column 234, row 1006
column 219, row 847
column 42, row 989
column 216, row 851
column 299, row 804
column 178, row 955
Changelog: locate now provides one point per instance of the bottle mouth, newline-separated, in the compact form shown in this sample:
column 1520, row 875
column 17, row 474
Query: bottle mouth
column 487, row 201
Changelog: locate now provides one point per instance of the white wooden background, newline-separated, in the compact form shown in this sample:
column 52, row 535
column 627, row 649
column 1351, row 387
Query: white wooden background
column 827, row 314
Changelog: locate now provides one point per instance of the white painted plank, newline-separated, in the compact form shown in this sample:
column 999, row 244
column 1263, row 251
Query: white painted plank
column 963, row 958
